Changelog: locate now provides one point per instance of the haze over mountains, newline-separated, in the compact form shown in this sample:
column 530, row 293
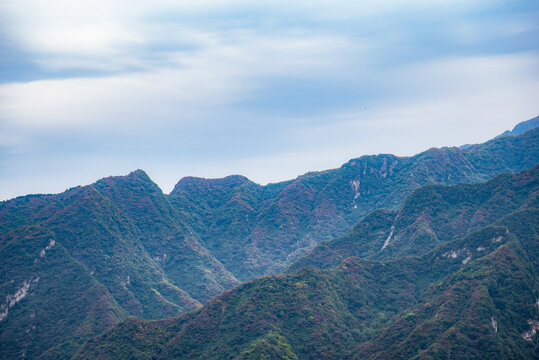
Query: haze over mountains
column 78, row 263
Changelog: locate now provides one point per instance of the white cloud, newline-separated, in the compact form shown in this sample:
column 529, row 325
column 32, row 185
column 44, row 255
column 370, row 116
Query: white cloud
column 107, row 31
column 468, row 100
column 188, row 88
column 189, row 77
column 121, row 99
column 446, row 102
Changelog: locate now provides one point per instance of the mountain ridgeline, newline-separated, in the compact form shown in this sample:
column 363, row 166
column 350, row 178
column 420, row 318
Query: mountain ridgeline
column 256, row 230
column 119, row 252
column 473, row 293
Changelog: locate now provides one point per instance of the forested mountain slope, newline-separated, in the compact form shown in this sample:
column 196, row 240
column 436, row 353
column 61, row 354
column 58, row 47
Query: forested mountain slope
column 430, row 216
column 121, row 238
column 472, row 295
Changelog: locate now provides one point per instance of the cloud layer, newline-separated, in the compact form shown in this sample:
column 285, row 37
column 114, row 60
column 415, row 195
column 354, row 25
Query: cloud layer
column 267, row 89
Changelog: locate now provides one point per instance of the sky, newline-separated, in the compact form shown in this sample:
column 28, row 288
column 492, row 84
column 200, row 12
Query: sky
column 265, row 89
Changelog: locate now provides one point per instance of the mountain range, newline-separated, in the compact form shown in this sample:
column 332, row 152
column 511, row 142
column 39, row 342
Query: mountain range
column 110, row 256
column 473, row 294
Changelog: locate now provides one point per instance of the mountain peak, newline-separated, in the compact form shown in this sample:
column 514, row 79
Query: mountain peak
column 138, row 173
column 135, row 177
column 190, row 182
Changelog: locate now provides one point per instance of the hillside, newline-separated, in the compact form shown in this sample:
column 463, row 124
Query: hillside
column 431, row 216
column 472, row 295
column 164, row 234
column 120, row 236
column 63, row 304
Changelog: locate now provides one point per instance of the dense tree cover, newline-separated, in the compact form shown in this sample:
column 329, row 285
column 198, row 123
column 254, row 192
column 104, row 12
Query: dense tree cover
column 63, row 304
column 472, row 295
column 120, row 233
column 429, row 217
column 480, row 311
column 167, row 238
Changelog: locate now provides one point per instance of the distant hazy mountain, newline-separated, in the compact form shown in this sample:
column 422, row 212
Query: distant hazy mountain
column 464, row 292
column 522, row 127
column 519, row 129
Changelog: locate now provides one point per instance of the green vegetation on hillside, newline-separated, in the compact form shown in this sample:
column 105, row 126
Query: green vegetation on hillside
column 120, row 236
column 429, row 217
column 63, row 305
column 472, row 295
